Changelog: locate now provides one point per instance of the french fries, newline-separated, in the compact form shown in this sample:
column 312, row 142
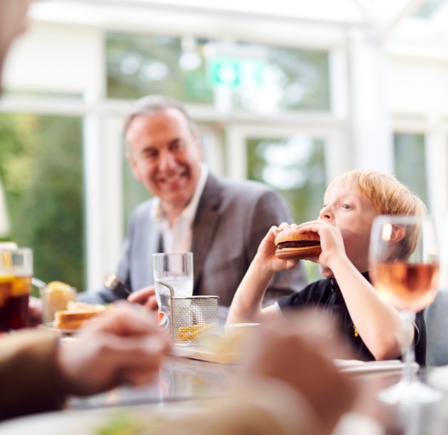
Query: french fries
column 187, row 333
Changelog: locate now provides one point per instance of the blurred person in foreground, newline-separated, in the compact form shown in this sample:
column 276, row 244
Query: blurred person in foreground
column 221, row 221
column 288, row 386
column 38, row 372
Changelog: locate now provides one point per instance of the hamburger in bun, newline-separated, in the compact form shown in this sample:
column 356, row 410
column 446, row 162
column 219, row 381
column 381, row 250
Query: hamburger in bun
column 292, row 244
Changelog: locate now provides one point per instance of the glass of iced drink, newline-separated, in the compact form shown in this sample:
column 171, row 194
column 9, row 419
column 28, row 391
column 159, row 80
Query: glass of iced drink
column 175, row 270
column 16, row 270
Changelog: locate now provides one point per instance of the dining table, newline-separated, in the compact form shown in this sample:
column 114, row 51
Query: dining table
column 185, row 386
column 184, row 380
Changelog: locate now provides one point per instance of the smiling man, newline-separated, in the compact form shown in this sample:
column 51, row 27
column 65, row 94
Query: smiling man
column 221, row 221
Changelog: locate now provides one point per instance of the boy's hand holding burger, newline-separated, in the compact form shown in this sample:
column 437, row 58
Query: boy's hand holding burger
column 331, row 241
column 266, row 257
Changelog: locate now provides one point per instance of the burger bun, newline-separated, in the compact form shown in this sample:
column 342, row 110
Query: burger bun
column 297, row 252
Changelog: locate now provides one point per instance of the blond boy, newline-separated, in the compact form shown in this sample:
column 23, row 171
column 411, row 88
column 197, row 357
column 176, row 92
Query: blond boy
column 369, row 323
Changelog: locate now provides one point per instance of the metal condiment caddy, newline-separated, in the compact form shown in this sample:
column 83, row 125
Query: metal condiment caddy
column 192, row 317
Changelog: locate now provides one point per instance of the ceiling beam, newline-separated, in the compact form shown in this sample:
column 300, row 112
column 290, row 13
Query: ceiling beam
column 344, row 12
column 390, row 13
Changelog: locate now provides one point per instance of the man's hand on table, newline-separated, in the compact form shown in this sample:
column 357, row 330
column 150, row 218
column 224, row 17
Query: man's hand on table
column 294, row 354
column 146, row 297
column 123, row 346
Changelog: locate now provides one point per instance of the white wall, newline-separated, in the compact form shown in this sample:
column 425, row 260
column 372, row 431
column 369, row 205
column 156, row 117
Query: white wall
column 55, row 58
column 418, row 87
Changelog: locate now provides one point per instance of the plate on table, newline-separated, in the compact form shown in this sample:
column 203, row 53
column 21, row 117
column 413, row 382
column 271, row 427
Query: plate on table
column 129, row 420
column 361, row 367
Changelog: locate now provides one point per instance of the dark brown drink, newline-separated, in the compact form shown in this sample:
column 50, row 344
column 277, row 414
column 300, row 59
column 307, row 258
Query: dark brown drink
column 14, row 295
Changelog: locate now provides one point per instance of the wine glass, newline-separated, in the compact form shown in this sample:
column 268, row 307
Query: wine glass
column 404, row 268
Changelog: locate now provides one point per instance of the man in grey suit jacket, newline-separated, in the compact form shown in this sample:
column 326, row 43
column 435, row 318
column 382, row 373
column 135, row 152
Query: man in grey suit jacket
column 229, row 220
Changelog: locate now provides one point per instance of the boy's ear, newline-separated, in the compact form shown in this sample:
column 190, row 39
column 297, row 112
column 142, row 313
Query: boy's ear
column 398, row 234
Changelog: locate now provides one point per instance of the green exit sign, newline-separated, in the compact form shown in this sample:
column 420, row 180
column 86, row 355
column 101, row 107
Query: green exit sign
column 234, row 72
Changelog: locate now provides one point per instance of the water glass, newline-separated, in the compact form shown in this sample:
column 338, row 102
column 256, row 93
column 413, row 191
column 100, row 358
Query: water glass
column 175, row 270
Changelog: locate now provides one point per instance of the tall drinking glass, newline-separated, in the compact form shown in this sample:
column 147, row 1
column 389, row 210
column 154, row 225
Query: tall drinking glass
column 175, row 270
column 16, row 269
column 404, row 266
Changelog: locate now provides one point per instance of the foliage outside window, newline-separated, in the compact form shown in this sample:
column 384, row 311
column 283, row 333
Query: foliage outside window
column 42, row 178
column 259, row 78
column 139, row 65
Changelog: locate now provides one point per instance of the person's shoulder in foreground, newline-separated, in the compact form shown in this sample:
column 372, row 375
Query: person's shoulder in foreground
column 351, row 203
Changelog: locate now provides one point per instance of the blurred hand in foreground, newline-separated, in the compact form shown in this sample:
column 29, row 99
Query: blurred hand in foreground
column 123, row 346
column 146, row 297
column 297, row 353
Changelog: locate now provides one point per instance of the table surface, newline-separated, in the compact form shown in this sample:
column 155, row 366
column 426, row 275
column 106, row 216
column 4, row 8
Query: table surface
column 179, row 379
column 186, row 379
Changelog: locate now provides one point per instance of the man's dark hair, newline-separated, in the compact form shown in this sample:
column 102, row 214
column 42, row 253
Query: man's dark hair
column 153, row 105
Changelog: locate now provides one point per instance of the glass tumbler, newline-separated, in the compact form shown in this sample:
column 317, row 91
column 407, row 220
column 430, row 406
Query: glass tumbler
column 16, row 269
column 175, row 270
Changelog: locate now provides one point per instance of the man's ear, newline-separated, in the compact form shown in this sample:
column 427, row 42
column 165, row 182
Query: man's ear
column 134, row 166
column 398, row 234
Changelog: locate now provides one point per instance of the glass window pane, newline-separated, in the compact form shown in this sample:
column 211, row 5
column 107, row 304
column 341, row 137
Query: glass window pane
column 288, row 79
column 295, row 167
column 410, row 162
column 428, row 8
column 139, row 65
column 244, row 76
column 41, row 172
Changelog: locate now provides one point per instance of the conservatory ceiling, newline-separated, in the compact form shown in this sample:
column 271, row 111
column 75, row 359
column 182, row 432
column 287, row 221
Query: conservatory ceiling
column 412, row 22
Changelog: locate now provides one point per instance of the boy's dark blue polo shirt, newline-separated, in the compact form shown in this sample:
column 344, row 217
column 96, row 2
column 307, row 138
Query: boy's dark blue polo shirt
column 327, row 295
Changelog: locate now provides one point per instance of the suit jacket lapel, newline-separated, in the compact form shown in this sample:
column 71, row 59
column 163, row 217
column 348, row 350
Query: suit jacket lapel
column 205, row 224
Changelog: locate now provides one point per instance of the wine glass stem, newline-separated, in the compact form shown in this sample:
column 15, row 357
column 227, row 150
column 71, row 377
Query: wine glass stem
column 407, row 324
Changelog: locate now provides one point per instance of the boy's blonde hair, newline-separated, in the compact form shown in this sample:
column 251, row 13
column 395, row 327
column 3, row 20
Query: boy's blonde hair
column 387, row 194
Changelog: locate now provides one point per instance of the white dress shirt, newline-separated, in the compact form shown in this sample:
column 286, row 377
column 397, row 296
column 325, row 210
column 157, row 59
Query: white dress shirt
column 179, row 236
